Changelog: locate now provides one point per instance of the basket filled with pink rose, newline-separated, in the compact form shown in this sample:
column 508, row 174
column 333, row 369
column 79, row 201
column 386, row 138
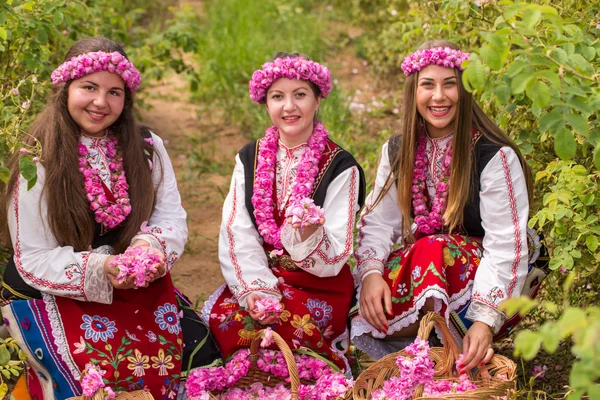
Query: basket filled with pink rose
column 94, row 387
column 259, row 372
column 420, row 372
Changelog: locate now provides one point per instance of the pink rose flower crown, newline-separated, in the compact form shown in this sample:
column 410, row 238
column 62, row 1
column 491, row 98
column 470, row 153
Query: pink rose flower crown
column 442, row 56
column 291, row 68
column 89, row 63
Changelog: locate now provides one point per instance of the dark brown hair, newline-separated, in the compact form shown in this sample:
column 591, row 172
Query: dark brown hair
column 468, row 115
column 68, row 209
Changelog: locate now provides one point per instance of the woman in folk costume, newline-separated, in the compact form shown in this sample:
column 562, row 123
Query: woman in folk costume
column 453, row 191
column 105, row 200
column 263, row 254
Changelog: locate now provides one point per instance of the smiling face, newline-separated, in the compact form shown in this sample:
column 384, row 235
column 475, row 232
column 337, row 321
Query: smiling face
column 291, row 104
column 96, row 101
column 437, row 99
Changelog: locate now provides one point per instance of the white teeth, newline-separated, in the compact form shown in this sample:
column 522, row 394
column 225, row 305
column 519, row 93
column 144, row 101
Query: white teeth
column 96, row 114
column 437, row 109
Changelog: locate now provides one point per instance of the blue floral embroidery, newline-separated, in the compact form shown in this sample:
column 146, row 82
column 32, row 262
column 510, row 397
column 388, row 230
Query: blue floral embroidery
column 416, row 273
column 167, row 318
column 320, row 311
column 98, row 328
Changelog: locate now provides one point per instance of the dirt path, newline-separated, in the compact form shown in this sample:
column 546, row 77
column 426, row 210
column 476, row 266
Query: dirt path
column 196, row 140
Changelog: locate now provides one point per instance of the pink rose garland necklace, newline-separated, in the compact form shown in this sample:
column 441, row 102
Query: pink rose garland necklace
column 262, row 198
column 429, row 221
column 105, row 213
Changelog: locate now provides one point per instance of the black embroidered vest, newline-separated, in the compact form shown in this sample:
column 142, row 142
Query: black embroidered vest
column 483, row 151
column 334, row 161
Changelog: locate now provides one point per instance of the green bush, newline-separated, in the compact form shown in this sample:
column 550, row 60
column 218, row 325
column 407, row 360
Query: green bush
column 534, row 67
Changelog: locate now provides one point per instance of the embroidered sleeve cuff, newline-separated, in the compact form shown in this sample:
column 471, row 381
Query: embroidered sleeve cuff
column 154, row 243
column 368, row 267
column 97, row 287
column 479, row 311
column 299, row 251
column 242, row 299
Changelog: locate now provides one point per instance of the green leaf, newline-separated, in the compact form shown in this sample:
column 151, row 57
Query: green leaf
column 539, row 92
column 548, row 121
column 572, row 319
column 592, row 243
column 550, row 76
column 532, row 18
column 578, row 104
column 476, row 74
column 42, row 36
column 4, row 174
column 27, row 168
column 597, row 156
column 2, row 33
column 579, row 123
column 491, row 57
column 527, row 344
column 503, row 93
column 3, row 390
column 58, row 18
column 560, row 55
column 4, row 355
column 31, row 183
column 580, row 63
column 519, row 82
column 6, row 373
column 564, row 144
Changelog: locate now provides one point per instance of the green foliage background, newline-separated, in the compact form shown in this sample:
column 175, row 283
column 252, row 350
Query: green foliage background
column 535, row 68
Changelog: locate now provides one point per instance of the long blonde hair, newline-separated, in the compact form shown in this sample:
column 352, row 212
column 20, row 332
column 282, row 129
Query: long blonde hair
column 468, row 116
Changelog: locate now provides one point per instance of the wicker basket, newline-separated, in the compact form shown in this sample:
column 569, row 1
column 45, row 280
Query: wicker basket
column 99, row 395
column 136, row 395
column 487, row 378
column 256, row 375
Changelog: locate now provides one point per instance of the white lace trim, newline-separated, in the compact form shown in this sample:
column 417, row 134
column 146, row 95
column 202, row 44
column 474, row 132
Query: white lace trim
column 60, row 338
column 343, row 337
column 368, row 339
column 96, row 285
column 479, row 311
column 210, row 303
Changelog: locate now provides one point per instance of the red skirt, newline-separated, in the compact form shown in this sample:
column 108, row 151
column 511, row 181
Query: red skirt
column 441, row 267
column 314, row 316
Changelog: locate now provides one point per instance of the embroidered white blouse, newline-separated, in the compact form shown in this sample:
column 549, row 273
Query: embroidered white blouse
column 243, row 260
column 61, row 271
column 504, row 209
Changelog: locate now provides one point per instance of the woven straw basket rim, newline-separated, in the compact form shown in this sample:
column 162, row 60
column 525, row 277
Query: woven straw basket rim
column 256, row 375
column 135, row 395
column 487, row 378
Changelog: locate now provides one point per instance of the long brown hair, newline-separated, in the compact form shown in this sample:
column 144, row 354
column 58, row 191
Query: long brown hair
column 468, row 115
column 68, row 210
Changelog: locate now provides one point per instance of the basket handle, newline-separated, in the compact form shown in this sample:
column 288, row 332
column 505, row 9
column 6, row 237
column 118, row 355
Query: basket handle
column 287, row 354
column 450, row 348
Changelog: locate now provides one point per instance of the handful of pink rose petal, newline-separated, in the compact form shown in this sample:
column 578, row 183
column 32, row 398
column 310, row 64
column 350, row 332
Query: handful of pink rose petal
column 305, row 212
column 92, row 381
column 139, row 263
column 269, row 306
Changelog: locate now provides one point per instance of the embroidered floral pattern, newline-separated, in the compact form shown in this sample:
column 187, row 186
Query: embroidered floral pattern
column 72, row 269
column 167, row 318
column 138, row 363
column 162, row 362
column 302, row 325
column 98, row 328
column 320, row 311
